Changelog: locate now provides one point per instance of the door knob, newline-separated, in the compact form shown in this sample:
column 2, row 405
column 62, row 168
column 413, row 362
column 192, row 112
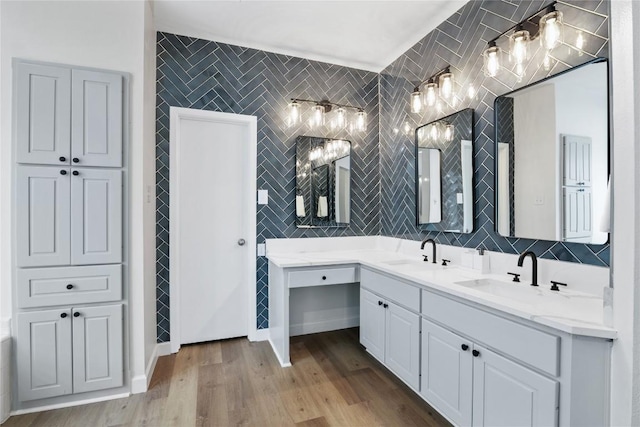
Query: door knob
column 241, row 242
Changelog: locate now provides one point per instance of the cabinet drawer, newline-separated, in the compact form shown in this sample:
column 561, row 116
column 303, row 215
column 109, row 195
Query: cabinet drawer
column 322, row 276
column 391, row 289
column 529, row 345
column 41, row 287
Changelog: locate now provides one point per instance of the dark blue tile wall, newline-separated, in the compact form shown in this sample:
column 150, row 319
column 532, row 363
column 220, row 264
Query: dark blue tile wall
column 202, row 74
column 195, row 73
column 459, row 42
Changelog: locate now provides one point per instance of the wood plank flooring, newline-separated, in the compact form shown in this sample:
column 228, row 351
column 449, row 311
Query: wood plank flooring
column 333, row 382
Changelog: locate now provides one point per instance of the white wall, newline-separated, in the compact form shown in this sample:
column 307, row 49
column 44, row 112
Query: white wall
column 625, row 363
column 100, row 34
column 535, row 159
column 149, row 163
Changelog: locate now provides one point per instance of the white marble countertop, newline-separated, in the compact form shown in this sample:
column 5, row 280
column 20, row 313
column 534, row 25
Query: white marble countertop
column 569, row 311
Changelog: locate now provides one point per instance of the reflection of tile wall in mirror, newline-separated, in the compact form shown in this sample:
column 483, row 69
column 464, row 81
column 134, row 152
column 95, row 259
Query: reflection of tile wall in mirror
column 447, row 206
column 556, row 175
column 323, row 182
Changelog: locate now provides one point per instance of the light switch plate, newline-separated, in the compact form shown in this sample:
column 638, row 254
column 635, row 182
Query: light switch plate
column 262, row 249
column 263, row 197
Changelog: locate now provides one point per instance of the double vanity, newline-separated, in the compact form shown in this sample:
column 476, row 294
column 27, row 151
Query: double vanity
column 479, row 348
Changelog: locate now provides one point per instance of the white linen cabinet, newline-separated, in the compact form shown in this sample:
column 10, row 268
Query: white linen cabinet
column 69, row 192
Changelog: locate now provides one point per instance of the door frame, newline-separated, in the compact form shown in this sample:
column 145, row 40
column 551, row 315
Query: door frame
column 177, row 114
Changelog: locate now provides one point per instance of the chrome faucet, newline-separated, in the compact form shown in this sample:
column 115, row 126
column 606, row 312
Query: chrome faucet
column 433, row 243
column 534, row 266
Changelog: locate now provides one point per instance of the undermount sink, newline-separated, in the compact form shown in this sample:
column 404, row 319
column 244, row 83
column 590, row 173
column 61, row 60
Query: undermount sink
column 502, row 289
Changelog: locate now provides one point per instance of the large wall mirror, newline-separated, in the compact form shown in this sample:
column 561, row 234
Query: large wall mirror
column 444, row 173
column 323, row 182
column 552, row 157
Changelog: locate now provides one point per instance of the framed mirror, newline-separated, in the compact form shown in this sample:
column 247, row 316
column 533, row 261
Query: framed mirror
column 323, row 182
column 444, row 173
column 552, row 157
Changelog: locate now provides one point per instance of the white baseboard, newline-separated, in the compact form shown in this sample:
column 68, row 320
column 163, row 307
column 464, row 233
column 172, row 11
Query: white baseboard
column 259, row 335
column 69, row 404
column 282, row 363
column 323, row 326
column 140, row 383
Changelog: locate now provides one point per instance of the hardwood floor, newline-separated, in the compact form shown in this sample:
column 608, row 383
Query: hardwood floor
column 333, row 382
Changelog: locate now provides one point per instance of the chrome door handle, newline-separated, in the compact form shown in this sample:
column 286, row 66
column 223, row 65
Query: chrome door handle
column 241, row 242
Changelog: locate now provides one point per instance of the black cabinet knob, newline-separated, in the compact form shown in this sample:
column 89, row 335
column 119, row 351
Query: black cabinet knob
column 63, row 315
column 63, row 159
column 76, row 173
column 385, row 305
column 324, row 277
column 379, row 302
column 475, row 353
column 464, row 347
column 76, row 314
column 63, row 172
column 69, row 286
column 76, row 160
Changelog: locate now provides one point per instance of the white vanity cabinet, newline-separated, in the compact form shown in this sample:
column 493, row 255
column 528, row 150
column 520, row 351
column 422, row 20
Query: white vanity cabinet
column 69, row 350
column 389, row 331
column 68, row 116
column 472, row 385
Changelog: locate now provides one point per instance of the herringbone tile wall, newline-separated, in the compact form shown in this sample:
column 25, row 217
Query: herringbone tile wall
column 195, row 73
column 459, row 42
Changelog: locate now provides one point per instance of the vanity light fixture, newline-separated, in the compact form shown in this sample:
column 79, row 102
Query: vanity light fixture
column 551, row 27
column 491, row 59
column 319, row 111
column 546, row 24
column 436, row 87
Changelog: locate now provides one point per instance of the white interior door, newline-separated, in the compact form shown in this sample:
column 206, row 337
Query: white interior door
column 210, row 219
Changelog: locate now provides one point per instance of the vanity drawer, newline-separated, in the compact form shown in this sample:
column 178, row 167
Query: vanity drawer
column 391, row 289
column 322, row 276
column 534, row 347
column 41, row 287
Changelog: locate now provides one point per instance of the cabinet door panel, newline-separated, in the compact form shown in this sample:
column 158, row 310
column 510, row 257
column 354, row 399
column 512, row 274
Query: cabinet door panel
column 44, row 354
column 402, row 344
column 372, row 323
column 446, row 381
column 43, row 105
column 97, row 348
column 508, row 394
column 96, row 208
column 42, row 216
column 96, row 118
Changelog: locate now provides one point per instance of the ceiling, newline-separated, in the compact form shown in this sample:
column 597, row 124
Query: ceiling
column 368, row 35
